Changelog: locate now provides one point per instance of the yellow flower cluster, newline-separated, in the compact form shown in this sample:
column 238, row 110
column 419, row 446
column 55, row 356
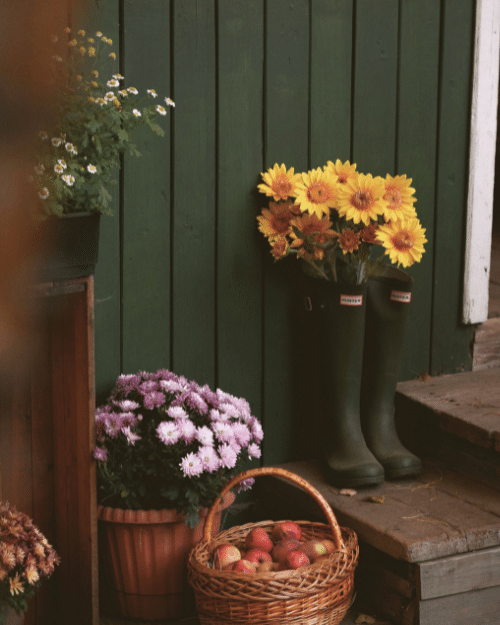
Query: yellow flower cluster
column 337, row 209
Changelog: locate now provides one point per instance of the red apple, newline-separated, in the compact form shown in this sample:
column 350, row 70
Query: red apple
column 329, row 544
column 283, row 547
column 258, row 538
column 295, row 559
column 225, row 554
column 313, row 549
column 230, row 566
column 244, row 566
column 258, row 556
column 267, row 567
column 286, row 529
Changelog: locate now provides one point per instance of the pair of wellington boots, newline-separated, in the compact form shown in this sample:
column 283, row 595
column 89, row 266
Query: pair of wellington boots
column 361, row 335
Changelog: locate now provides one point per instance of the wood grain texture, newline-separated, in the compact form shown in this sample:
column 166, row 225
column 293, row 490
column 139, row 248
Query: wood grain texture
column 478, row 606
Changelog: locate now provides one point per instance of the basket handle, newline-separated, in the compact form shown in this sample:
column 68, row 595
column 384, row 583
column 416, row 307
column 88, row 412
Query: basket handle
column 291, row 477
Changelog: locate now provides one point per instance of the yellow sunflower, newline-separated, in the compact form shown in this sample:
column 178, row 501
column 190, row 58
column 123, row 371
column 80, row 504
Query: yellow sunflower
column 318, row 192
column 280, row 183
column 343, row 171
column 361, row 198
column 275, row 220
column 318, row 228
column 403, row 240
column 279, row 248
column 399, row 198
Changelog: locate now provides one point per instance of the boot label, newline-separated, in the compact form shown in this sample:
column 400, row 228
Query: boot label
column 401, row 296
column 351, row 300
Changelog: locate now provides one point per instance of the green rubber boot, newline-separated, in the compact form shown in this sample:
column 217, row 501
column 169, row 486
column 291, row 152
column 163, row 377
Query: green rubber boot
column 387, row 311
column 338, row 313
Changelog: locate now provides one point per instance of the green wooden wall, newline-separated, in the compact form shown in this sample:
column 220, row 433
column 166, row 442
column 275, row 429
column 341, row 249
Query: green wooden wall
column 185, row 281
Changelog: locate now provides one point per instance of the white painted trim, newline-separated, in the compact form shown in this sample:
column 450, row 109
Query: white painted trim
column 482, row 161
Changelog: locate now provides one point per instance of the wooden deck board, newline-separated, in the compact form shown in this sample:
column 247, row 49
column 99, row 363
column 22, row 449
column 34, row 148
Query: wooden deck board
column 428, row 518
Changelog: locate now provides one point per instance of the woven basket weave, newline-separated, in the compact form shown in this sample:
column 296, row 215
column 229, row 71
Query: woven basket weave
column 319, row 594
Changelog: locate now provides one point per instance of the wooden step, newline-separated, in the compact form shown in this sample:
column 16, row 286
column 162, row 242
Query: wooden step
column 455, row 418
column 429, row 547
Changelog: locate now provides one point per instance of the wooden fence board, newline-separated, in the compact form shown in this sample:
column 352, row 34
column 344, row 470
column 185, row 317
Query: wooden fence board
column 450, row 339
column 286, row 141
column 146, row 195
column 239, row 244
column 416, row 157
column 375, row 86
column 479, row 606
column 194, row 190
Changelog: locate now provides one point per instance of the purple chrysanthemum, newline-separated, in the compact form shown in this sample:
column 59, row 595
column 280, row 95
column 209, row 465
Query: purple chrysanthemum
column 241, row 434
column 229, row 410
column 112, row 424
column 254, row 451
column 214, row 414
column 168, row 432
column 205, row 435
column 127, row 404
column 148, row 387
column 223, row 431
column 227, row 456
column 256, row 429
column 153, row 400
column 191, row 465
column 195, row 402
column 245, row 485
column 177, row 412
column 209, row 459
column 132, row 437
column 100, row 454
column 187, row 430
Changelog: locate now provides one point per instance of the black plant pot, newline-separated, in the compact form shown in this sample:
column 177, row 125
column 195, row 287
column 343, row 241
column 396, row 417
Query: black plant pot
column 73, row 247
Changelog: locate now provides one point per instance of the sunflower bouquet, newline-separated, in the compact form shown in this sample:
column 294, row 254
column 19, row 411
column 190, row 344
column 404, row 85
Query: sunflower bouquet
column 26, row 558
column 331, row 218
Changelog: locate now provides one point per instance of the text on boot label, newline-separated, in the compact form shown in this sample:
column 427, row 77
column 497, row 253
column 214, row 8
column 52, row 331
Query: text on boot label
column 351, row 300
column 401, row 296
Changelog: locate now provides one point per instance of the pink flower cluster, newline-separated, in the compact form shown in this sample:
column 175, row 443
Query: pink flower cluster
column 214, row 428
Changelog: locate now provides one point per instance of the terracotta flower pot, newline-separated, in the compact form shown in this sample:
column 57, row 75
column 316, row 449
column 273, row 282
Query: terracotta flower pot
column 143, row 560
column 8, row 616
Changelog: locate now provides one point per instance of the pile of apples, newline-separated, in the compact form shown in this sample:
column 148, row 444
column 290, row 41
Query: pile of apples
column 280, row 550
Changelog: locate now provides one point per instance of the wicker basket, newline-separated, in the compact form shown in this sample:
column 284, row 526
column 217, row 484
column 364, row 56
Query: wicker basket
column 313, row 595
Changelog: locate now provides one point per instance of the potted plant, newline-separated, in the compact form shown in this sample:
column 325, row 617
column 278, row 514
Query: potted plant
column 332, row 219
column 165, row 448
column 96, row 117
column 26, row 558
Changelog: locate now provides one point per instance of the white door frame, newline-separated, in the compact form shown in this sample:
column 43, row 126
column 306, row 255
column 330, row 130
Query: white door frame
column 482, row 162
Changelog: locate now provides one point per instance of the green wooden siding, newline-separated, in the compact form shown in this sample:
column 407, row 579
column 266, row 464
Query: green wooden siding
column 185, row 280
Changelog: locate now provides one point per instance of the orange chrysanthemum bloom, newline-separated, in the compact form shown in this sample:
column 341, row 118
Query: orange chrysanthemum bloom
column 280, row 184
column 343, row 171
column 361, row 198
column 399, row 198
column 349, row 241
column 319, row 229
column 404, row 241
column 317, row 193
column 275, row 220
column 280, row 248
column 369, row 234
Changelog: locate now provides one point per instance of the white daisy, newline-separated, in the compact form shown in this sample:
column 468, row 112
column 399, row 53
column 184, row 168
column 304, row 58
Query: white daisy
column 98, row 34
column 43, row 194
column 58, row 168
column 92, row 169
column 132, row 90
column 161, row 110
column 153, row 93
column 169, row 102
column 137, row 113
column 71, row 148
column 56, row 141
column 118, row 76
column 62, row 163
column 113, row 83
column 123, row 92
column 109, row 96
column 39, row 169
column 68, row 179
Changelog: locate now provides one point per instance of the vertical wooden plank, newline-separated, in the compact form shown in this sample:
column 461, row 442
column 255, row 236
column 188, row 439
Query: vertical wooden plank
column 451, row 340
column 330, row 90
column 240, row 145
column 286, row 141
column 107, row 275
column 146, row 189
column 375, row 86
column 416, row 157
column 194, row 176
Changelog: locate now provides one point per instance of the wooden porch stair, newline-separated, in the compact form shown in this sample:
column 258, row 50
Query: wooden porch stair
column 430, row 547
